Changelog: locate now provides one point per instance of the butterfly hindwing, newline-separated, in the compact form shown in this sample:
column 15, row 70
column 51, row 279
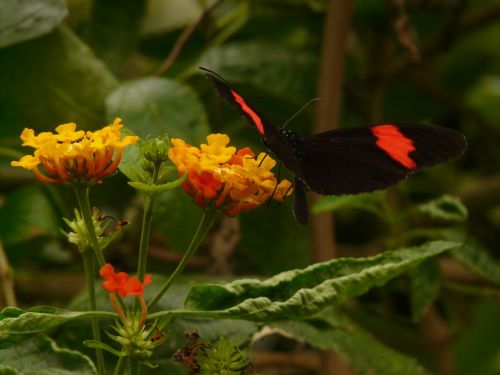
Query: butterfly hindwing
column 357, row 160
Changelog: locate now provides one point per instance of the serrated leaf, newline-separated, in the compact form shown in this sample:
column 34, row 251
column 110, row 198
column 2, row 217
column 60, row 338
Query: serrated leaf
column 335, row 331
column 40, row 355
column 270, row 67
column 26, row 214
column 478, row 260
column 17, row 324
column 445, row 208
column 153, row 106
column 65, row 82
column 22, row 20
column 425, row 286
column 368, row 202
column 306, row 291
column 157, row 189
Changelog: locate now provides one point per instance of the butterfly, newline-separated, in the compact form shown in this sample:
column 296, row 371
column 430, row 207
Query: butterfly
column 349, row 160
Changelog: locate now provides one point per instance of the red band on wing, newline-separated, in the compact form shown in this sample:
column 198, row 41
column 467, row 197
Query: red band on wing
column 395, row 144
column 249, row 111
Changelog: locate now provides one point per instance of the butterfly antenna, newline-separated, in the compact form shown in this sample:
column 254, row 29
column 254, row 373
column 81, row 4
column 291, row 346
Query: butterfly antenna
column 300, row 111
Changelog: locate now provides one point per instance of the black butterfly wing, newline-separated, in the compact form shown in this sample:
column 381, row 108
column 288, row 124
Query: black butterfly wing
column 357, row 160
column 234, row 99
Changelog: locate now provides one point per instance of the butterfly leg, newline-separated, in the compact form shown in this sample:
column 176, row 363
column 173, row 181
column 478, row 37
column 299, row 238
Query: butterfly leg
column 300, row 202
column 264, row 158
column 275, row 186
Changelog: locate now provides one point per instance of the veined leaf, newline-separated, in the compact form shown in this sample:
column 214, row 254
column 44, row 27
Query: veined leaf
column 306, row 291
column 332, row 330
column 445, row 208
column 22, row 20
column 425, row 286
column 40, row 355
column 158, row 106
column 17, row 324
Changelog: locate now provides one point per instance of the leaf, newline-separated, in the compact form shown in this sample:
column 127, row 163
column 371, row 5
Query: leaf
column 270, row 67
column 113, row 32
column 17, row 324
column 153, row 106
column 425, row 286
column 22, row 20
column 368, row 202
column 157, row 189
column 53, row 80
column 476, row 349
column 176, row 216
column 40, row 355
column 26, row 214
column 337, row 332
column 306, row 291
column 484, row 97
column 445, row 208
column 276, row 229
column 477, row 260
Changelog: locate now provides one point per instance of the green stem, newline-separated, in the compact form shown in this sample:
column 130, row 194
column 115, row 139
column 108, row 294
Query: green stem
column 135, row 366
column 149, row 203
column 205, row 224
column 88, row 265
column 82, row 195
column 119, row 365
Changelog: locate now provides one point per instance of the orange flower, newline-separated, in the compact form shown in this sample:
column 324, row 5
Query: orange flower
column 122, row 283
column 74, row 156
column 233, row 180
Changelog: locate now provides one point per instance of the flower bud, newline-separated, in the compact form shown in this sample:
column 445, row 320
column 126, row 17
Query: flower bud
column 156, row 149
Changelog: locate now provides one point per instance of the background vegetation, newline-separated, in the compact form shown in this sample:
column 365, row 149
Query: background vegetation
column 413, row 61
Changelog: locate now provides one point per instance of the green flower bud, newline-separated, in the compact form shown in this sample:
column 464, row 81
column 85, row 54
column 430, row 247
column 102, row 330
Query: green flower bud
column 156, row 149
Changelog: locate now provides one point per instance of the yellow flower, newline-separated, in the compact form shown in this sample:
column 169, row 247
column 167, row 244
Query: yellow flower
column 232, row 180
column 74, row 156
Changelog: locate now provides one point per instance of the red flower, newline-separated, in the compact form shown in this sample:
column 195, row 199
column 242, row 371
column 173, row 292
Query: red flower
column 122, row 283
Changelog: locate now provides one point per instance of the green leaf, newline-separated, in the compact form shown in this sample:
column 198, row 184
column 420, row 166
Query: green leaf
column 485, row 95
column 40, row 355
column 53, row 80
column 476, row 349
column 270, row 67
column 157, row 189
column 368, row 202
column 26, row 214
column 17, row 324
column 306, row 291
column 100, row 345
column 445, row 208
column 425, row 286
column 478, row 260
column 22, row 20
column 130, row 163
column 176, row 216
column 335, row 331
column 158, row 106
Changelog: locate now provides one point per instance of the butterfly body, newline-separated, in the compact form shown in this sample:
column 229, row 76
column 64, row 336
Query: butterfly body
column 348, row 160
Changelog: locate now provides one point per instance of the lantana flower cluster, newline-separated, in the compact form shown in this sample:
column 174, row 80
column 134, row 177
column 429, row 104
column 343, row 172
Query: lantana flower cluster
column 72, row 155
column 232, row 180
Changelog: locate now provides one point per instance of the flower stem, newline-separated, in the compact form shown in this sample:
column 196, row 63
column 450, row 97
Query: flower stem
column 119, row 365
column 149, row 203
column 82, row 195
column 135, row 366
column 88, row 265
column 205, row 224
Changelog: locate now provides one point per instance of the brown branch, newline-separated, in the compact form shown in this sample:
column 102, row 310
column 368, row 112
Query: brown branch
column 475, row 20
column 404, row 30
column 6, row 279
column 336, row 30
column 182, row 40
column 296, row 362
